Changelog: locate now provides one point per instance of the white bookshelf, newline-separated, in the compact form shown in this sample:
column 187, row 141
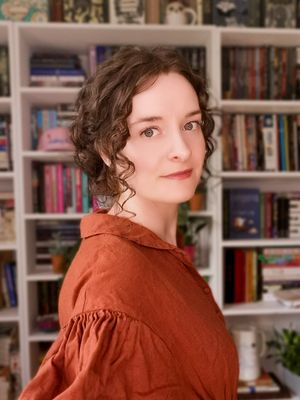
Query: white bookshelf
column 266, row 315
column 9, row 182
column 78, row 38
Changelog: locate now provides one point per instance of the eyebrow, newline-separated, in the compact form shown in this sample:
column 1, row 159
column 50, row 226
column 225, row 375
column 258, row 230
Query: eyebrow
column 158, row 118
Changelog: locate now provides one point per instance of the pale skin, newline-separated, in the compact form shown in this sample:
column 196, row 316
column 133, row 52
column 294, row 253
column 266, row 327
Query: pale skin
column 165, row 138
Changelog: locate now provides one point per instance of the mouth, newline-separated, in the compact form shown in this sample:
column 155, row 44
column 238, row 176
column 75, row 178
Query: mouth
column 179, row 174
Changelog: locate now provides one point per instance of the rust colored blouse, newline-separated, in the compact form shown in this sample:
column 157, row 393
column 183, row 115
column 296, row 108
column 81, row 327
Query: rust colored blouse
column 137, row 322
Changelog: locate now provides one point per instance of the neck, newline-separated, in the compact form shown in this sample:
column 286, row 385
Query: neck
column 160, row 218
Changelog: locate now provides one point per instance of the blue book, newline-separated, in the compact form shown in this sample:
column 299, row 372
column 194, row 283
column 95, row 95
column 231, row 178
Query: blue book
column 57, row 71
column 244, row 213
column 10, row 283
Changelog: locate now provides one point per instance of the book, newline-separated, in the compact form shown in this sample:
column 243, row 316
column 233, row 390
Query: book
column 244, row 213
column 152, row 11
column 26, row 10
column 264, row 383
column 230, row 13
column 127, row 11
column 85, row 11
column 280, row 13
column 269, row 131
column 283, row 393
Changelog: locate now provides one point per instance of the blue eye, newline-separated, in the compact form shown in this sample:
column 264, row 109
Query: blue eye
column 149, row 132
column 192, row 125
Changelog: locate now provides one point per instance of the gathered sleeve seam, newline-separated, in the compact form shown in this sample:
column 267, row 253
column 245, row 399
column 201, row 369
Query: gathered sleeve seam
column 121, row 315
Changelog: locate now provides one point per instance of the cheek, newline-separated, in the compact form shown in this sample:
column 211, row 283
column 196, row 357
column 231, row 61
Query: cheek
column 199, row 149
column 143, row 159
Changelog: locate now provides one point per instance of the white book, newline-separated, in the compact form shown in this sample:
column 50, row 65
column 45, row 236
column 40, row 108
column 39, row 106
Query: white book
column 269, row 131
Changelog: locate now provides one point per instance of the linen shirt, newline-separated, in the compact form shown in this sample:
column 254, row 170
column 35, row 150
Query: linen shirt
column 137, row 322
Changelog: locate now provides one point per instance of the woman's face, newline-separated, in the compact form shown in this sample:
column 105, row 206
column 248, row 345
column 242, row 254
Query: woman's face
column 165, row 139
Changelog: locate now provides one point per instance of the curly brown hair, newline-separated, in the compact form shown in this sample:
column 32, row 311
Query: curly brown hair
column 99, row 130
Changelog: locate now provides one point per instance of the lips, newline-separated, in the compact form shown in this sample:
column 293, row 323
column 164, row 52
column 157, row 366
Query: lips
column 180, row 174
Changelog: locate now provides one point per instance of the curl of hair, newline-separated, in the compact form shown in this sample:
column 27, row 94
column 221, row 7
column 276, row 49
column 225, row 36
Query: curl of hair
column 99, row 130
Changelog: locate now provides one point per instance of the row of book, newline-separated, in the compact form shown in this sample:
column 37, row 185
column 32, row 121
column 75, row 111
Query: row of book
column 61, row 69
column 43, row 119
column 265, row 142
column 4, row 72
column 269, row 13
column 60, row 188
column 258, row 73
column 5, row 143
column 56, row 69
column 7, row 217
column 196, row 56
column 8, row 292
column 252, row 214
column 256, row 274
column 45, row 232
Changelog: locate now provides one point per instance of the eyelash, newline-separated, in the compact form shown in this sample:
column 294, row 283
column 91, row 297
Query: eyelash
column 199, row 123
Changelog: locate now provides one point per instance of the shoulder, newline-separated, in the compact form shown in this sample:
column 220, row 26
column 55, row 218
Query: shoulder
column 107, row 272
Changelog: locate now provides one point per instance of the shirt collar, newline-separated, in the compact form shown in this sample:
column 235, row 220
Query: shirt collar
column 98, row 223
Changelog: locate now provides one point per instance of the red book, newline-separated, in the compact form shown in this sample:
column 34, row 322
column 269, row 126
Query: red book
column 239, row 276
column 47, row 189
column 60, row 188
column 78, row 190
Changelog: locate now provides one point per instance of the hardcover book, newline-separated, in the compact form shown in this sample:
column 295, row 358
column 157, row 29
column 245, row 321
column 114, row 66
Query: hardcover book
column 244, row 213
column 24, row 10
column 280, row 13
column 127, row 11
column 230, row 13
column 85, row 11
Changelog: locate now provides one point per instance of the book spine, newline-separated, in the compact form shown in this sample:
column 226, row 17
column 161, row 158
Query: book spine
column 78, row 190
column 85, row 193
column 48, row 205
column 10, row 284
column 60, row 188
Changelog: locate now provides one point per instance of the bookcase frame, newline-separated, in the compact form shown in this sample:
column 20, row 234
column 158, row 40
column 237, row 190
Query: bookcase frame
column 29, row 37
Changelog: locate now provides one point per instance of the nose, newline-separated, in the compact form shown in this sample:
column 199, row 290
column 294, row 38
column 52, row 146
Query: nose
column 179, row 148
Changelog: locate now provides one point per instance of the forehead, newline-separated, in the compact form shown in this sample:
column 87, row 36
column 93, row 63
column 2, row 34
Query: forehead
column 165, row 90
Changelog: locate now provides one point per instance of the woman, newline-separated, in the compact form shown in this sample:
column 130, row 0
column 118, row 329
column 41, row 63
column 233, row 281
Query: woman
column 137, row 321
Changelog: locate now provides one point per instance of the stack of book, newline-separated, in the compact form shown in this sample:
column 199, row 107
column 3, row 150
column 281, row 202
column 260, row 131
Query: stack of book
column 265, row 142
column 266, row 386
column 56, row 69
column 280, row 270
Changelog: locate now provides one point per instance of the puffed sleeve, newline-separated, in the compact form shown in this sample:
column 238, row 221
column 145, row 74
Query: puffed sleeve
column 106, row 355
